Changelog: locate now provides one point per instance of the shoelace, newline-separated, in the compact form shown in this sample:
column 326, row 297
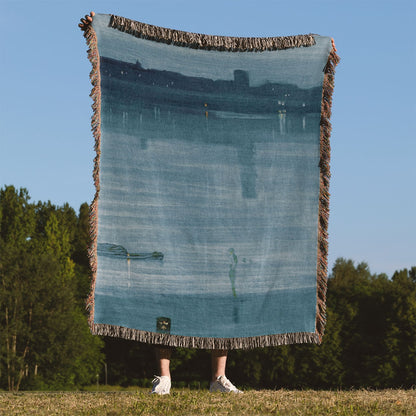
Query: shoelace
column 225, row 382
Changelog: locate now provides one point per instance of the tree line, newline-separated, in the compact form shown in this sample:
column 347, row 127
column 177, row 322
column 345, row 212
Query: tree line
column 45, row 342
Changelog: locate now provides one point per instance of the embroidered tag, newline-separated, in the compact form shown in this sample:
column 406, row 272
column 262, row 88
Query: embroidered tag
column 163, row 325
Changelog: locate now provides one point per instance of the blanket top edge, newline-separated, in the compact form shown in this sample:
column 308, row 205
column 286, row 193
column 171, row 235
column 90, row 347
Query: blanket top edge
column 205, row 41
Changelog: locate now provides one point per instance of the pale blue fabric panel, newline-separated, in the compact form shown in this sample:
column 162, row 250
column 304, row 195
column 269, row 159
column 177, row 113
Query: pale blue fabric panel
column 209, row 185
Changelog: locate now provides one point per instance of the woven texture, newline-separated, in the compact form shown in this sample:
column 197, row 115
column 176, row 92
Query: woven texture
column 212, row 173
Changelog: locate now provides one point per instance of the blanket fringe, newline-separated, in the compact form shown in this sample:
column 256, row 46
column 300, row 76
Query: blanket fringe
column 201, row 41
column 325, row 174
column 94, row 58
column 202, row 342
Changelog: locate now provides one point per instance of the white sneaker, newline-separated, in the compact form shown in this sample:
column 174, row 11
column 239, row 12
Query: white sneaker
column 223, row 385
column 161, row 385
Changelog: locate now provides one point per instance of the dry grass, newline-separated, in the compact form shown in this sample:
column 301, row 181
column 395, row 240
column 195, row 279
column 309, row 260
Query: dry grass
column 194, row 402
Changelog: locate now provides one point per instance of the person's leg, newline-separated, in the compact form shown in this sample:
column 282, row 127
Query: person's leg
column 163, row 360
column 162, row 383
column 219, row 381
column 218, row 363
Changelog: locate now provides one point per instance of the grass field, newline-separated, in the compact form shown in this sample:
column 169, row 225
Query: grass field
column 201, row 402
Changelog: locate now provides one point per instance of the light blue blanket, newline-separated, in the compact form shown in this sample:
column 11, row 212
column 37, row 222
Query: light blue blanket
column 209, row 222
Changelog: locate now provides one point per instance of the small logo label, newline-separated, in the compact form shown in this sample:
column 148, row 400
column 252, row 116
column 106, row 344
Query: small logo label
column 163, row 325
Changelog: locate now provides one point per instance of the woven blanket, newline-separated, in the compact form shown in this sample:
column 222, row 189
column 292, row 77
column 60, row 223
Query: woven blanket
column 209, row 223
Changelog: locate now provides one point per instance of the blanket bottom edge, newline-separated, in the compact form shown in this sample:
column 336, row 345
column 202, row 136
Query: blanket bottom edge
column 171, row 340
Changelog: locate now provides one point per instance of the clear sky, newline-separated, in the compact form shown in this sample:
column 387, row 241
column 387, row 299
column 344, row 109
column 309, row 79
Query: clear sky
column 46, row 145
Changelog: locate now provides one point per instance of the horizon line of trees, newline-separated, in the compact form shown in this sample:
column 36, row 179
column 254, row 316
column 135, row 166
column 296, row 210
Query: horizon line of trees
column 45, row 342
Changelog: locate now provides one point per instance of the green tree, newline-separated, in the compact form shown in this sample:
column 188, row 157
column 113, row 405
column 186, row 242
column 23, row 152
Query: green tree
column 361, row 303
column 401, row 337
column 45, row 341
column 79, row 255
column 17, row 224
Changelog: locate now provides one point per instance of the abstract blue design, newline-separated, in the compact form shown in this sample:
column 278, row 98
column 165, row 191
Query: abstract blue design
column 209, row 186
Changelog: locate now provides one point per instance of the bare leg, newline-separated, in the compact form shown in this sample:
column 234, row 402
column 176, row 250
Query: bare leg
column 218, row 363
column 163, row 360
column 162, row 383
column 219, row 381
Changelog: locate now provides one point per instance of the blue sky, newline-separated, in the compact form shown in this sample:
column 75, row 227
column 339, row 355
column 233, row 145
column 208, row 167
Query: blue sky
column 46, row 145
